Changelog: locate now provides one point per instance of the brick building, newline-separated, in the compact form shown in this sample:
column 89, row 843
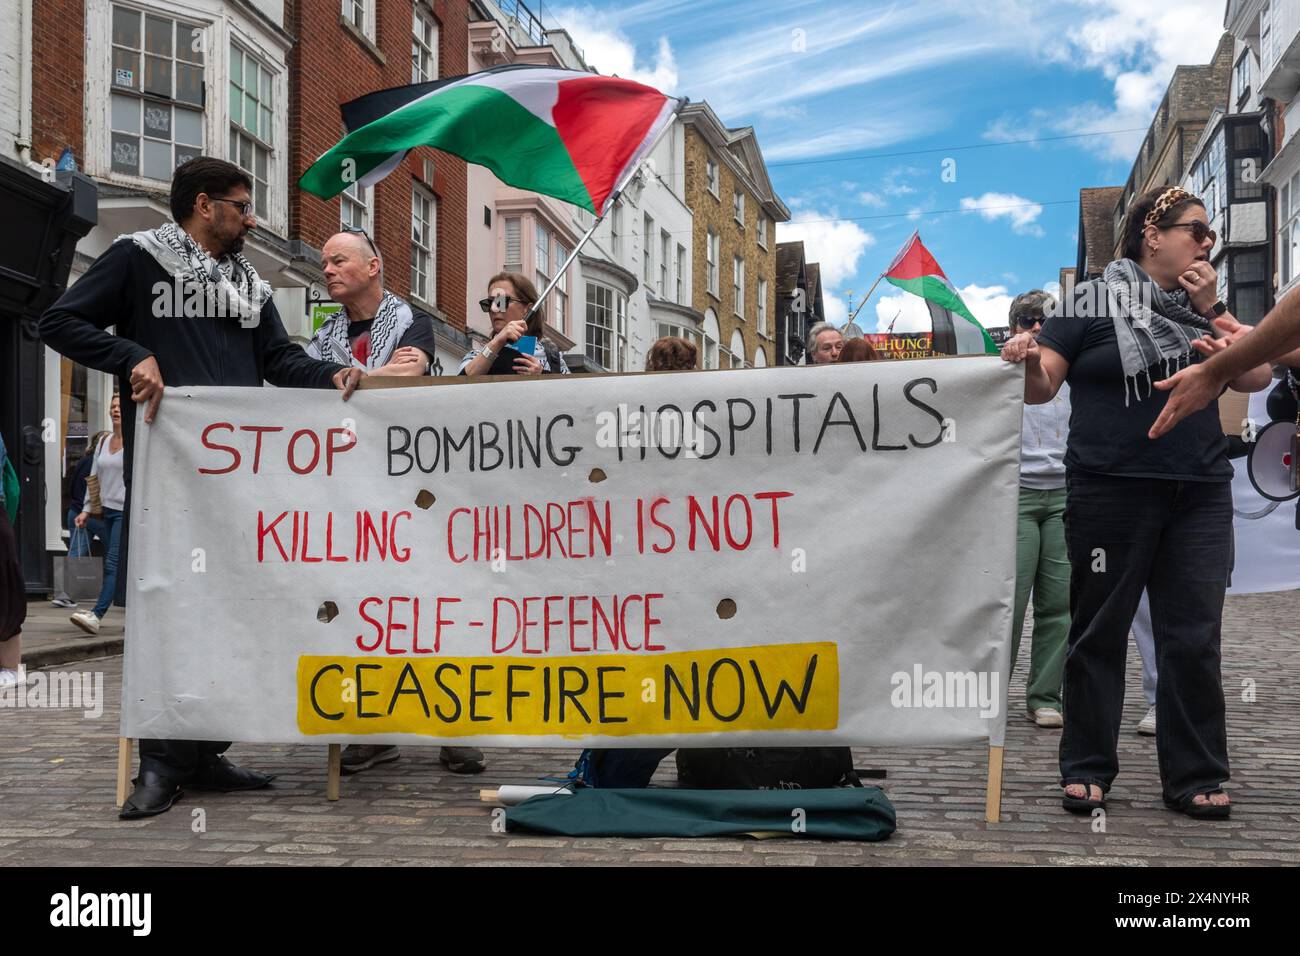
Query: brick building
column 735, row 212
column 416, row 215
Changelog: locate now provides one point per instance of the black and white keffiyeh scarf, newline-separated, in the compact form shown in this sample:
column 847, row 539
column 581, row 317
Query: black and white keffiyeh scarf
column 1152, row 326
column 231, row 286
column 331, row 341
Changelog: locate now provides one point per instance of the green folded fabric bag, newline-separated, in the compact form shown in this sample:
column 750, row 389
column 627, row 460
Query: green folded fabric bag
column 841, row 813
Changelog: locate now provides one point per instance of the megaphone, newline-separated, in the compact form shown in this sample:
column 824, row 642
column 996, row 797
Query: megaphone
column 1272, row 464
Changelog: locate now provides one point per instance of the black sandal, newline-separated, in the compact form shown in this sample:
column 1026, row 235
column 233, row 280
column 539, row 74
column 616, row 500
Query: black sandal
column 1201, row 811
column 1084, row 804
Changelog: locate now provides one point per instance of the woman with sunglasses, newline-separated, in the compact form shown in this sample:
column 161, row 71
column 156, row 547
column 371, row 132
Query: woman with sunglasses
column 1141, row 513
column 510, row 295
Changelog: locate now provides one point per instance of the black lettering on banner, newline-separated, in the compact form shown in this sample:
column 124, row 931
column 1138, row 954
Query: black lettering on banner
column 679, row 438
column 695, row 417
column 602, row 694
column 934, row 389
column 692, row 701
column 394, row 452
column 732, row 426
column 474, row 692
column 362, row 694
column 795, row 396
column 511, row 693
column 783, row 689
column 451, row 445
column 485, row 444
column 712, row 682
column 851, row 421
column 572, row 695
column 315, row 705
column 875, row 427
column 550, row 442
column 437, row 679
column 417, row 690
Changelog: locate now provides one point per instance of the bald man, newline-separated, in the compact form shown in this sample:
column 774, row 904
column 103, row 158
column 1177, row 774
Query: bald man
column 375, row 330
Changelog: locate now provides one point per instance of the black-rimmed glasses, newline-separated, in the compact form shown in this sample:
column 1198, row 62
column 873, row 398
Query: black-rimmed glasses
column 1200, row 231
column 245, row 207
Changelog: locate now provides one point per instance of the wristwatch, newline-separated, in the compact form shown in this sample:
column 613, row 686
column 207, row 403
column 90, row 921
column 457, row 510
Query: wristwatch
column 1216, row 310
column 487, row 353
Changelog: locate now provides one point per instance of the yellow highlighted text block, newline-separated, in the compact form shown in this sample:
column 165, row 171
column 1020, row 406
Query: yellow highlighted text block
column 770, row 687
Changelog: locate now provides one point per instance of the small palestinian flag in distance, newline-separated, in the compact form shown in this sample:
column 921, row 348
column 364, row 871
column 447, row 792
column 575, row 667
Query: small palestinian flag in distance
column 563, row 133
column 956, row 330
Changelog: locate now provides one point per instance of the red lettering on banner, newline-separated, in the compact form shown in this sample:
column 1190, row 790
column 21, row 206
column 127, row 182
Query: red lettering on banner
column 233, row 452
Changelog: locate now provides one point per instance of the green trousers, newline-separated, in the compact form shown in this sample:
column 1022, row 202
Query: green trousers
column 1042, row 567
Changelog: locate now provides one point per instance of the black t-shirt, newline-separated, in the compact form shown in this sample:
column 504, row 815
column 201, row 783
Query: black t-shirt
column 418, row 336
column 1106, row 436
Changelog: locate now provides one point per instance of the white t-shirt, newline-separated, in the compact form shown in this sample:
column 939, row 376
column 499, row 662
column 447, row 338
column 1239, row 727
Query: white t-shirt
column 108, row 469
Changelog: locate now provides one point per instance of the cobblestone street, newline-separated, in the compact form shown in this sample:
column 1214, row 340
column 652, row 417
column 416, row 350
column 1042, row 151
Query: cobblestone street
column 57, row 783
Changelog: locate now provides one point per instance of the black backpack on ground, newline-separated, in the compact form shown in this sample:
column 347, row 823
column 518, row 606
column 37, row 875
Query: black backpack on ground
column 766, row 768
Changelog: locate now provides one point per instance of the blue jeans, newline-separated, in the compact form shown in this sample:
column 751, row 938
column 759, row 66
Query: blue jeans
column 1172, row 538
column 113, row 539
column 94, row 529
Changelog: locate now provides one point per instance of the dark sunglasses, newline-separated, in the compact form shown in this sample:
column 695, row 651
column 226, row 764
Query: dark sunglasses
column 1027, row 320
column 1200, row 231
column 500, row 302
column 357, row 230
column 245, row 208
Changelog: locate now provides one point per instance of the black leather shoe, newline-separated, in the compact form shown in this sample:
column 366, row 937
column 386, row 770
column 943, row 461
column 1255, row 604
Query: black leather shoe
column 153, row 794
column 223, row 775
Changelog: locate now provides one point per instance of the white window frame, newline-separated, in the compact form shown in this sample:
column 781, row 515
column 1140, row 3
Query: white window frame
column 760, row 309
column 648, row 250
column 1288, row 239
column 616, row 229
column 738, row 286
column 712, row 246
column 367, row 8
column 712, row 177
column 559, row 314
column 665, row 261
column 422, row 22
column 761, row 228
column 356, row 197
column 613, row 329
column 709, row 343
column 738, row 207
column 238, row 131
column 681, row 274
column 426, row 250
column 142, row 99
column 509, row 264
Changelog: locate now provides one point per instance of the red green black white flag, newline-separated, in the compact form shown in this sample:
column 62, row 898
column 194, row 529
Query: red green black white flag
column 563, row 133
column 956, row 330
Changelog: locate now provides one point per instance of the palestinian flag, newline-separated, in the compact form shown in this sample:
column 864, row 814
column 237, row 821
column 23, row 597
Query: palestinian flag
column 563, row 133
column 956, row 331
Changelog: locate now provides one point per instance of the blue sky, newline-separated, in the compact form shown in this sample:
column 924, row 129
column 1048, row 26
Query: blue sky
column 860, row 107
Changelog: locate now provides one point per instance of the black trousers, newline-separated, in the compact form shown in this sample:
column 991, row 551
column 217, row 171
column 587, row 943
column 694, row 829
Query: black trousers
column 179, row 760
column 1173, row 538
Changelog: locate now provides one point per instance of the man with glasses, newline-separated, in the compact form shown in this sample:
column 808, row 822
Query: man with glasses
column 1041, row 562
column 188, row 309
column 375, row 330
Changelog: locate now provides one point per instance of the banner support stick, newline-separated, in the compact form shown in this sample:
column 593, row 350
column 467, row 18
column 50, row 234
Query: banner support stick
column 993, row 798
column 334, row 771
column 124, row 751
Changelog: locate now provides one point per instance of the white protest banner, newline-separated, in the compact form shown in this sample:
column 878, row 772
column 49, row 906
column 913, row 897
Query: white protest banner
column 786, row 556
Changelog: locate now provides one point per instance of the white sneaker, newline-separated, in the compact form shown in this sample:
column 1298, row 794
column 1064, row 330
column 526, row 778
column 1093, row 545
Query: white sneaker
column 1048, row 717
column 1147, row 725
column 87, row 621
column 13, row 678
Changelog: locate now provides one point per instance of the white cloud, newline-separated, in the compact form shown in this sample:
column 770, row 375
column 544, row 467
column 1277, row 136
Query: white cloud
column 841, row 138
column 836, row 244
column 836, row 309
column 1135, row 45
column 1019, row 211
column 609, row 50
column 868, row 198
column 989, row 304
